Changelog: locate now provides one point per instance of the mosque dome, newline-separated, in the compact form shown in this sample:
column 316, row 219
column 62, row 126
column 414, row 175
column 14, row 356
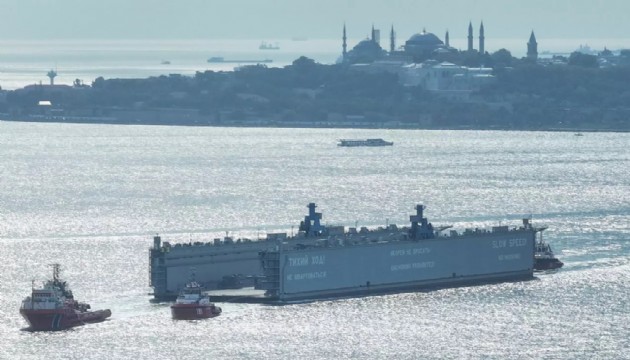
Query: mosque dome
column 367, row 45
column 421, row 46
column 424, row 39
column 366, row 51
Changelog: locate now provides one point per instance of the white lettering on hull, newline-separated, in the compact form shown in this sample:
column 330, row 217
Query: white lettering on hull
column 415, row 265
column 304, row 260
column 307, row 276
column 500, row 244
column 508, row 257
column 298, row 261
column 408, row 252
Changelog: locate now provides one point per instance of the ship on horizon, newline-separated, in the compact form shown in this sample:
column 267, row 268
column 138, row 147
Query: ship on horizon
column 268, row 46
column 220, row 59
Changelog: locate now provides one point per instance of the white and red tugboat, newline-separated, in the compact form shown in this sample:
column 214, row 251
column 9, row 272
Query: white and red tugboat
column 193, row 304
column 53, row 307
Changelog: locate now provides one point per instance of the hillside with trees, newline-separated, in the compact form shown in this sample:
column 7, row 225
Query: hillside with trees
column 525, row 95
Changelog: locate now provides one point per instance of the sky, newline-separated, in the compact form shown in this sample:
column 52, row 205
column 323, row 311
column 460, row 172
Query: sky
column 284, row 19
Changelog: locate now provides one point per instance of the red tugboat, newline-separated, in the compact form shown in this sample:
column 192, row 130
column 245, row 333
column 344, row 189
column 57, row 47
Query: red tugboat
column 192, row 304
column 544, row 258
column 53, row 307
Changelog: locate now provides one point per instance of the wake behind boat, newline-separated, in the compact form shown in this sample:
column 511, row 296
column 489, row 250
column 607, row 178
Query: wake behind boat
column 364, row 142
column 53, row 307
column 193, row 304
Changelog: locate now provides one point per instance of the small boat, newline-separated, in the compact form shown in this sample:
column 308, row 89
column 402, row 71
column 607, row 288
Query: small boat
column 193, row 304
column 578, row 134
column 53, row 307
column 364, row 142
column 544, row 258
column 267, row 46
column 165, row 62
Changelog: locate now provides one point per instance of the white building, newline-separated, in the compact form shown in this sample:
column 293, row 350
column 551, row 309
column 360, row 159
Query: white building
column 444, row 76
column 453, row 81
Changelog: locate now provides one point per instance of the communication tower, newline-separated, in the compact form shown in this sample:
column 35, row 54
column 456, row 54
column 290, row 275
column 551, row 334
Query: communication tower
column 52, row 74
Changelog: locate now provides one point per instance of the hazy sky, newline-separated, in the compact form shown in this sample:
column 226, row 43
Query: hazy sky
column 277, row 19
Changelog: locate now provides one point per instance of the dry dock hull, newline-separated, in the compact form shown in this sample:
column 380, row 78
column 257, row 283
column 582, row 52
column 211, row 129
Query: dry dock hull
column 170, row 270
column 406, row 287
column 343, row 270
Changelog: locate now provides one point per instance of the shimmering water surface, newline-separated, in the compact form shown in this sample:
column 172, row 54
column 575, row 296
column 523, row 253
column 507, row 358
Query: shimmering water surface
column 91, row 196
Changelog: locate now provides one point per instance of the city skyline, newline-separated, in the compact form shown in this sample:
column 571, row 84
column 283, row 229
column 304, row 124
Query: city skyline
column 190, row 19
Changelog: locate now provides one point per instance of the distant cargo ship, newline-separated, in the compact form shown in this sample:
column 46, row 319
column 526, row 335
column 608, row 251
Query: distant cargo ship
column 219, row 59
column 267, row 46
column 322, row 261
column 364, row 142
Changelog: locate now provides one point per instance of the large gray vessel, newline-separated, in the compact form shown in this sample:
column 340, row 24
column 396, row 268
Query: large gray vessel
column 395, row 259
column 328, row 261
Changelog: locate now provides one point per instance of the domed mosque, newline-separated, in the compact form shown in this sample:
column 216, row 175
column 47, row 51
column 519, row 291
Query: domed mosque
column 420, row 47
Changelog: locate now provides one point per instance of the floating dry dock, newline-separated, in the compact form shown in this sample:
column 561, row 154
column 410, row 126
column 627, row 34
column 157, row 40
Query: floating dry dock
column 323, row 262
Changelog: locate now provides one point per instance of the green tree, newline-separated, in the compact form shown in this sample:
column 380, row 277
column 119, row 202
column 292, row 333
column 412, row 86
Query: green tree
column 583, row 60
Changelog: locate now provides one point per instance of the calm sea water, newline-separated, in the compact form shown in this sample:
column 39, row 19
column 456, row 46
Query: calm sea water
column 26, row 62
column 91, row 196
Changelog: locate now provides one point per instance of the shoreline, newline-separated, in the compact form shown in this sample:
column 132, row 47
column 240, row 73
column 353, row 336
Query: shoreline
column 294, row 125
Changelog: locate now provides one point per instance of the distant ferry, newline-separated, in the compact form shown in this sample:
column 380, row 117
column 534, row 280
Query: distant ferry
column 364, row 142
column 219, row 59
column 267, row 46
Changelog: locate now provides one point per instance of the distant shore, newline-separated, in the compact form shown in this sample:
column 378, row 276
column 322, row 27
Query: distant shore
column 299, row 125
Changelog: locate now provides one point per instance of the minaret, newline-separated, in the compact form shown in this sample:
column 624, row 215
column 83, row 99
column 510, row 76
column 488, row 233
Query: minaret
column 345, row 45
column 532, row 47
column 482, row 40
column 392, row 41
column 470, row 37
column 446, row 40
